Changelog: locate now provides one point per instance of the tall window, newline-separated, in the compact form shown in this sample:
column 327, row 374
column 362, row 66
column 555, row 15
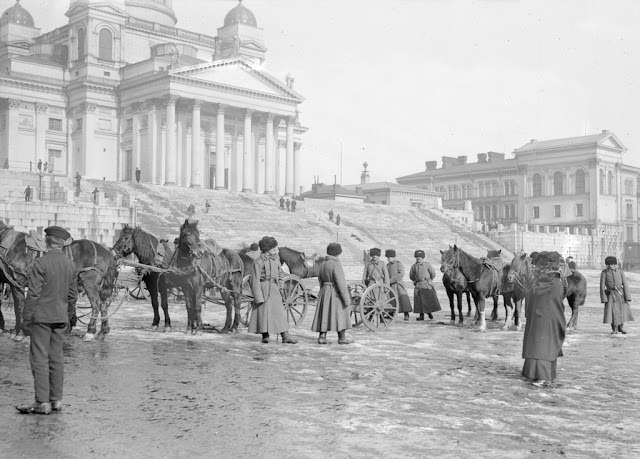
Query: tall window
column 603, row 184
column 580, row 183
column 537, row 185
column 579, row 211
column 612, row 184
column 629, row 209
column 557, row 183
column 536, row 212
column 105, row 45
column 513, row 211
column 81, row 43
column 628, row 186
column 629, row 233
column 480, row 213
column 55, row 124
column 556, row 211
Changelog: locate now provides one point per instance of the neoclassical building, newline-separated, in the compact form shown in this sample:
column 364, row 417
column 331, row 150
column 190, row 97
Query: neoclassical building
column 577, row 184
column 120, row 87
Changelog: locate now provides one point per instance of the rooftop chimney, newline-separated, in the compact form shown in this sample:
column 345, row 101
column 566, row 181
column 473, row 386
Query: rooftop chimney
column 462, row 160
column 494, row 156
column 605, row 131
column 364, row 176
column 431, row 165
column 448, row 161
column 482, row 157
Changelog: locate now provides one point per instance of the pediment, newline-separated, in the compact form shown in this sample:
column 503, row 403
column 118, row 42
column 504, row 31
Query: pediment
column 237, row 74
column 611, row 142
column 102, row 6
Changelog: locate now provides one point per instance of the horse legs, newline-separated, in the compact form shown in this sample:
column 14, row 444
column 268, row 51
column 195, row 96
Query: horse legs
column 481, row 321
column 451, row 305
column 508, row 306
column 468, row 303
column 104, row 314
column 197, row 304
column 151, row 281
column 572, row 325
column 229, row 307
column 164, row 302
column 494, row 313
column 460, row 316
column 518, row 314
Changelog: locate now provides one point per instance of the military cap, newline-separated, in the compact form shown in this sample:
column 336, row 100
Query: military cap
column 418, row 253
column 254, row 246
column 610, row 260
column 375, row 252
column 334, row 249
column 267, row 243
column 57, row 232
column 389, row 253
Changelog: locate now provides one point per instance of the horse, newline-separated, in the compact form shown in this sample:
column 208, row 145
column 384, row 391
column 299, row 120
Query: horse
column 506, row 290
column 299, row 263
column 521, row 276
column 522, row 273
column 149, row 251
column 455, row 286
column 200, row 265
column 482, row 278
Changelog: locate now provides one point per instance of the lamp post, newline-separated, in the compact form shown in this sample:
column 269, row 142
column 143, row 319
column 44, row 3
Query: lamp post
column 40, row 186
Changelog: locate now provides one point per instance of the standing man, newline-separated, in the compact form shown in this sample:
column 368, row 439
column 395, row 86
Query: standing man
column 48, row 311
column 28, row 193
column 338, row 219
column 425, row 300
column 281, row 202
column 288, row 204
column 78, row 177
column 331, row 215
column 40, row 165
column 396, row 273
column 293, row 205
column 95, row 193
column 615, row 295
column 137, row 175
column 375, row 270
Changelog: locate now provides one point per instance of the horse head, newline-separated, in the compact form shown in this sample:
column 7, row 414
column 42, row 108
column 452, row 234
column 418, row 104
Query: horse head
column 520, row 269
column 189, row 236
column 450, row 261
column 125, row 244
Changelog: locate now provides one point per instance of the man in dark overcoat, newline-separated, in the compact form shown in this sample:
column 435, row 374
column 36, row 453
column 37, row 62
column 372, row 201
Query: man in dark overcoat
column 281, row 202
column 615, row 295
column 396, row 274
column 425, row 300
column 375, row 270
column 48, row 311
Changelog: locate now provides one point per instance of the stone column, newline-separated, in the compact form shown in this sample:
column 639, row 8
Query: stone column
column 247, row 153
column 288, row 186
column 41, row 129
column 152, row 133
column 220, row 148
column 269, row 157
column 170, row 171
column 197, row 160
column 135, row 133
column 180, row 158
column 297, row 168
column 13, row 117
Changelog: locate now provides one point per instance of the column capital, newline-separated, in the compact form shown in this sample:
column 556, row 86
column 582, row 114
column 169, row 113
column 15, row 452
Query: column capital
column 14, row 103
column 270, row 117
column 221, row 108
column 41, row 108
column 136, row 107
column 249, row 113
column 170, row 100
column 197, row 104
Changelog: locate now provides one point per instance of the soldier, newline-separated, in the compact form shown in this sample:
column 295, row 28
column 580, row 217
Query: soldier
column 331, row 215
column 333, row 310
column 48, row 312
column 288, row 204
column 28, row 193
column 425, row 300
column 396, row 273
column 375, row 270
column 281, row 202
column 137, row 175
column 269, row 314
column 293, row 205
column 338, row 219
column 615, row 295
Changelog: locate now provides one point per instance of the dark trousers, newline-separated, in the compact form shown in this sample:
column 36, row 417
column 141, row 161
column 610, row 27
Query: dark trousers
column 47, row 361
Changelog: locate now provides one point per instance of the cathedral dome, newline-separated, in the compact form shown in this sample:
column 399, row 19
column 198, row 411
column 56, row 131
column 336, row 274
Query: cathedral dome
column 240, row 15
column 17, row 15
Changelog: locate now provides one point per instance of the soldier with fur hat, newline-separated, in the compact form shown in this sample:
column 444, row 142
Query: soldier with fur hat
column 268, row 315
column 425, row 300
column 48, row 311
column 396, row 274
column 375, row 270
column 333, row 310
column 615, row 295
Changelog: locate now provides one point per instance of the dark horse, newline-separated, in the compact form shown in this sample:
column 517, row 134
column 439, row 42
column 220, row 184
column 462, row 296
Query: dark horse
column 455, row 286
column 505, row 289
column 202, row 265
column 522, row 273
column 299, row 263
column 482, row 278
column 147, row 249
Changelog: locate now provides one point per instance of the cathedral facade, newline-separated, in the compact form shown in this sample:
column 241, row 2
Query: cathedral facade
column 120, row 91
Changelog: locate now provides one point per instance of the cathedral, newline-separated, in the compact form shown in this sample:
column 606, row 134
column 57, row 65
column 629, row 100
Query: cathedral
column 120, row 92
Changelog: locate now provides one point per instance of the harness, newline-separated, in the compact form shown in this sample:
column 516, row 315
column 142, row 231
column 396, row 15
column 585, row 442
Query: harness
column 494, row 265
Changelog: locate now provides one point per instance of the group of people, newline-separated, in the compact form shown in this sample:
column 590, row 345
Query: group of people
column 337, row 220
column 290, row 204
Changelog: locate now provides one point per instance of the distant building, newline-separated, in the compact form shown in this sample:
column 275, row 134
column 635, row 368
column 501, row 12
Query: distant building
column 120, row 87
column 333, row 193
column 576, row 184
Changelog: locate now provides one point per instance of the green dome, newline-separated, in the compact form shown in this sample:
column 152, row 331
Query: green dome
column 240, row 15
column 17, row 15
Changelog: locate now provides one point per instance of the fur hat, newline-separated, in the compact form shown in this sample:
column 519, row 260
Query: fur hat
column 375, row 252
column 418, row 253
column 57, row 232
column 389, row 253
column 267, row 243
column 334, row 249
column 611, row 260
column 254, row 246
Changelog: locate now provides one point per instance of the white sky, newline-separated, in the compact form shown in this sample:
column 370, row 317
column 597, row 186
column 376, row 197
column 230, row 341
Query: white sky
column 400, row 82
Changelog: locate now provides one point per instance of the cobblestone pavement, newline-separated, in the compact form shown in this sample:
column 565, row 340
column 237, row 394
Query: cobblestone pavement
column 426, row 389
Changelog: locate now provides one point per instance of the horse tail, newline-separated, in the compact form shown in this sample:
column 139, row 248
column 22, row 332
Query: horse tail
column 108, row 283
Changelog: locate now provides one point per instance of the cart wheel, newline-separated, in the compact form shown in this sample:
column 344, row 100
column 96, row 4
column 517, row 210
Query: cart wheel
column 378, row 306
column 246, row 302
column 139, row 292
column 355, row 291
column 295, row 299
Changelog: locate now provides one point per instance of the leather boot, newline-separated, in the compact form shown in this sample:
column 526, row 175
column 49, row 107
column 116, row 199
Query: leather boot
column 622, row 330
column 430, row 316
column 420, row 317
column 614, row 330
column 406, row 316
column 265, row 338
column 342, row 337
column 287, row 339
column 322, row 338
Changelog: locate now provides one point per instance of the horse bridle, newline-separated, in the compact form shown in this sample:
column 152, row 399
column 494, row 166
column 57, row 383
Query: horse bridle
column 453, row 267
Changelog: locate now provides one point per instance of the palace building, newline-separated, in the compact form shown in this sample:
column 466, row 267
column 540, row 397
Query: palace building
column 578, row 185
column 120, row 88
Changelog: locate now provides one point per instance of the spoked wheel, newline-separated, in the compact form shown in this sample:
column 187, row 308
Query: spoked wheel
column 355, row 291
column 139, row 292
column 246, row 302
column 378, row 307
column 295, row 299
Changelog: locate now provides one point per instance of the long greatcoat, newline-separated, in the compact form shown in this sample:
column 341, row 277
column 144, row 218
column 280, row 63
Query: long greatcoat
column 375, row 271
column 614, row 293
column 545, row 328
column 425, row 300
column 266, row 279
column 334, row 302
column 396, row 273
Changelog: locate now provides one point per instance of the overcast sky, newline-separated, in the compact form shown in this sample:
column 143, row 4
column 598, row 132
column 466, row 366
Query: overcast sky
column 396, row 83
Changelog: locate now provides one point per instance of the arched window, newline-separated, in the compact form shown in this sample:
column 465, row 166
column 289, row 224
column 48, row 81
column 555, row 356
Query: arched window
column 557, row 183
column 537, row 184
column 494, row 211
column 495, row 189
column 628, row 186
column 105, row 45
column 580, row 183
column 507, row 213
column 603, row 185
column 612, row 184
column 81, row 43
column 513, row 211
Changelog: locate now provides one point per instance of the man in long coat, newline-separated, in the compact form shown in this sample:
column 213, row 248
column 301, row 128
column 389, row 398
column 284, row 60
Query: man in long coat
column 396, row 274
column 268, row 315
column 425, row 300
column 334, row 303
column 375, row 270
column 545, row 328
column 614, row 293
